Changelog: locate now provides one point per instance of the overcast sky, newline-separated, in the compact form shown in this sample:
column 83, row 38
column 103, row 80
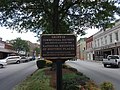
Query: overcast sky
column 7, row 34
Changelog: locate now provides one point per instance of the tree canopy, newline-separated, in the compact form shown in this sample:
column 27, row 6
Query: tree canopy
column 20, row 45
column 58, row 16
column 37, row 50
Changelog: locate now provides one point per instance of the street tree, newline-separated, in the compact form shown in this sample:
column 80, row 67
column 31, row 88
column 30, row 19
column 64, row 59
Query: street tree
column 37, row 50
column 58, row 16
column 20, row 45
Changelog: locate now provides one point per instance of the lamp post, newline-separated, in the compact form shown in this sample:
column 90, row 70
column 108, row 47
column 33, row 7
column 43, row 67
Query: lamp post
column 115, row 47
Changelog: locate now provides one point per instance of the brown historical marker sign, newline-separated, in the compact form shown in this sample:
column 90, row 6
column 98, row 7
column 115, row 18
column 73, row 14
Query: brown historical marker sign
column 58, row 46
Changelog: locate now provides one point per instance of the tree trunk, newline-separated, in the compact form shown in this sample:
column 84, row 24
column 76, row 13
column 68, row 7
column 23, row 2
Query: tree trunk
column 55, row 17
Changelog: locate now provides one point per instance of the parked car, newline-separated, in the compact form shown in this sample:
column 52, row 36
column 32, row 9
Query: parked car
column 12, row 59
column 2, row 63
column 24, row 59
column 112, row 60
column 30, row 58
column 33, row 58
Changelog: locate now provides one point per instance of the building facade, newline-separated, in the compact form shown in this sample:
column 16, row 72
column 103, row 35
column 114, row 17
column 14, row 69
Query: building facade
column 107, row 42
column 89, row 48
column 81, row 47
column 5, row 49
column 78, row 49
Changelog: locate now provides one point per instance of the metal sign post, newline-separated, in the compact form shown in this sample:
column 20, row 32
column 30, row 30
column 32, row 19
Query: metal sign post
column 58, row 48
column 59, row 75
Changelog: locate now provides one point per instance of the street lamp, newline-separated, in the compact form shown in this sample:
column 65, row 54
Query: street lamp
column 115, row 47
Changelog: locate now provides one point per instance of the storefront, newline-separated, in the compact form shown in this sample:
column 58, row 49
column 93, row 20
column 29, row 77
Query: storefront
column 5, row 52
column 104, row 51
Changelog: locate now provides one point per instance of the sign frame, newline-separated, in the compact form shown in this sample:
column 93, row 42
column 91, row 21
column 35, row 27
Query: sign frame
column 59, row 37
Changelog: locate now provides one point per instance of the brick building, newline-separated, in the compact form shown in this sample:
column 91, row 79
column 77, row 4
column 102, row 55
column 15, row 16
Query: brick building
column 89, row 48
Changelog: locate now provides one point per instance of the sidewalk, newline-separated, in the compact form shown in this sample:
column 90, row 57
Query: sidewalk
column 90, row 61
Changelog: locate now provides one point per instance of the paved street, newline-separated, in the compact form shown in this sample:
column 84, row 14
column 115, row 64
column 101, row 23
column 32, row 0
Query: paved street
column 14, row 73
column 97, row 72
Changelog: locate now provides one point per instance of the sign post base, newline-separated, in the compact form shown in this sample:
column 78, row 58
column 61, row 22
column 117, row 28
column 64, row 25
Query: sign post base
column 59, row 74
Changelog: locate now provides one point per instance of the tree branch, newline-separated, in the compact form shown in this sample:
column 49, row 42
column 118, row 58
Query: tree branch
column 65, row 9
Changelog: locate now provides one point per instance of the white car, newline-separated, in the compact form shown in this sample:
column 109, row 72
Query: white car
column 2, row 63
column 112, row 60
column 12, row 59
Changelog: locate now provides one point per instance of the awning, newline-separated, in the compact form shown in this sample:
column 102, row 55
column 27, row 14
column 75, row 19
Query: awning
column 7, row 50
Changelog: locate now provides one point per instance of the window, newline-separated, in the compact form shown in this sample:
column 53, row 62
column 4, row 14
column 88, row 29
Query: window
column 110, row 38
column 101, row 41
column 105, row 39
column 98, row 43
column 87, row 45
column 92, row 44
column 95, row 44
column 116, row 36
column 113, row 57
column 14, row 58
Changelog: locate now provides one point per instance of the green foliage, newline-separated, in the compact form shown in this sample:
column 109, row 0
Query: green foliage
column 20, row 45
column 72, row 81
column 91, row 86
column 37, row 51
column 38, row 81
column 69, row 76
column 41, row 63
column 59, row 16
column 107, row 86
column 70, row 84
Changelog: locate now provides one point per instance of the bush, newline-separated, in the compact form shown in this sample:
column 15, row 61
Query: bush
column 72, row 81
column 49, row 63
column 107, row 86
column 73, row 69
column 70, row 85
column 91, row 86
column 41, row 64
column 69, row 82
